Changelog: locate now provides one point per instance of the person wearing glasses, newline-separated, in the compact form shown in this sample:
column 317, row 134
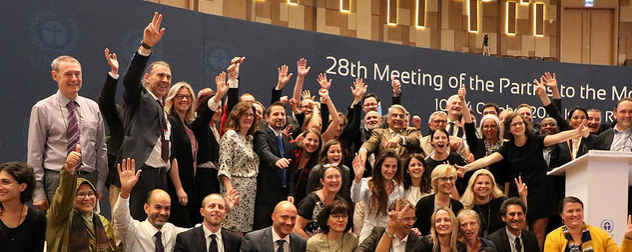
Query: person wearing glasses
column 334, row 222
column 442, row 178
column 523, row 155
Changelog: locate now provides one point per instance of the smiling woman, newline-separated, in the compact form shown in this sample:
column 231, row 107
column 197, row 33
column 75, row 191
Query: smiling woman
column 442, row 177
column 334, row 221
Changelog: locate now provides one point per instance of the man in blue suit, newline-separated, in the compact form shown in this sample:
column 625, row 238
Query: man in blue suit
column 210, row 236
column 279, row 237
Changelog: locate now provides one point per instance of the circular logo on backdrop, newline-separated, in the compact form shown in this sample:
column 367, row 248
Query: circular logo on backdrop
column 607, row 225
column 53, row 33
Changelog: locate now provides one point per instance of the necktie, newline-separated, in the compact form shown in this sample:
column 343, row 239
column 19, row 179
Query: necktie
column 213, row 247
column 451, row 130
column 72, row 132
column 164, row 154
column 518, row 245
column 282, row 155
column 159, row 246
column 280, row 243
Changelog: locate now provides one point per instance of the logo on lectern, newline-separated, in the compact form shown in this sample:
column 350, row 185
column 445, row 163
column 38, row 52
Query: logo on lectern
column 607, row 225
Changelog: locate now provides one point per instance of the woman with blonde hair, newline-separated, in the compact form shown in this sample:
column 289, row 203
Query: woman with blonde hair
column 443, row 234
column 442, row 179
column 238, row 165
column 484, row 197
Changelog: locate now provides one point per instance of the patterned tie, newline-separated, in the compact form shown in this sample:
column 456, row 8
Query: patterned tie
column 164, row 154
column 72, row 132
column 282, row 155
column 518, row 245
column 213, row 247
column 280, row 243
column 159, row 246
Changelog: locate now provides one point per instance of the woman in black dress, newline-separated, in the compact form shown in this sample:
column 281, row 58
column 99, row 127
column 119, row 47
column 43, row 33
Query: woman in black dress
column 22, row 227
column 523, row 153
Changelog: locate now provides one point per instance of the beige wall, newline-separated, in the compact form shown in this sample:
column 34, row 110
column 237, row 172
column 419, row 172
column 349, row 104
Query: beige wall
column 446, row 22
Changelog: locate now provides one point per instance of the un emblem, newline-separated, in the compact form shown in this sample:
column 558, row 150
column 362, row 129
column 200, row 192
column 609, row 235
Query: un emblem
column 52, row 33
column 607, row 225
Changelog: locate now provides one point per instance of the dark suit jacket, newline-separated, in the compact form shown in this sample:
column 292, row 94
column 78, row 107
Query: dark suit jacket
column 605, row 139
column 424, row 210
column 208, row 146
column 261, row 241
column 141, row 115
column 370, row 243
column 112, row 115
column 426, row 245
column 194, row 241
column 270, row 189
column 501, row 240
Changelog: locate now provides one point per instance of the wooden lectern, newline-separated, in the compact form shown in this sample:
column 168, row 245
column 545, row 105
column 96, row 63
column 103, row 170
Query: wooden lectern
column 601, row 179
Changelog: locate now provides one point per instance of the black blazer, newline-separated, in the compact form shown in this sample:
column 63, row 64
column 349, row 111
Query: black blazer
column 424, row 210
column 208, row 146
column 370, row 242
column 261, row 241
column 270, row 189
column 501, row 240
column 426, row 245
column 111, row 113
column 605, row 139
column 181, row 150
column 194, row 241
column 141, row 115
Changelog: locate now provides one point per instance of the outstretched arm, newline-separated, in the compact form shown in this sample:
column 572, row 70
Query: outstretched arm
column 582, row 130
column 302, row 70
column 480, row 163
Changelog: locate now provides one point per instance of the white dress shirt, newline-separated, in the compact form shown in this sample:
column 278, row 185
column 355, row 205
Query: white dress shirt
column 276, row 237
column 139, row 236
column 361, row 192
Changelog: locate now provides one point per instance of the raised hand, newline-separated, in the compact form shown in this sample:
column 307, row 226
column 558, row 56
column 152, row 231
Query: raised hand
column 461, row 170
column 416, row 121
column 233, row 69
column 522, row 187
column 396, row 85
column 549, row 80
column 358, row 90
column 628, row 229
column 324, row 83
column 128, row 176
column 358, row 166
column 112, row 61
column 307, row 95
column 286, row 132
column 324, row 95
column 394, row 221
column 73, row 159
column 294, row 106
column 301, row 67
column 583, row 130
column 220, row 83
column 454, row 145
column 283, row 76
column 153, row 33
column 461, row 93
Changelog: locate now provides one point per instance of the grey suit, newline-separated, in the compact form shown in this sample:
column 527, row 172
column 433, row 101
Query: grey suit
column 261, row 241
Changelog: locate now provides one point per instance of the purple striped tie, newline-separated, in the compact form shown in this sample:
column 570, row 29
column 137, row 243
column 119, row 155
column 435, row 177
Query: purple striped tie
column 73, row 128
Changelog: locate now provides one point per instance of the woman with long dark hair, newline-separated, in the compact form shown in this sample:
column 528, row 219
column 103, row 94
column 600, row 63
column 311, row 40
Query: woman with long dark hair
column 417, row 182
column 378, row 191
column 304, row 156
column 331, row 155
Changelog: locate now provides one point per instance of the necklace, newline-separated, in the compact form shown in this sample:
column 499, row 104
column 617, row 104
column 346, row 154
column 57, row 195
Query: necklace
column 484, row 221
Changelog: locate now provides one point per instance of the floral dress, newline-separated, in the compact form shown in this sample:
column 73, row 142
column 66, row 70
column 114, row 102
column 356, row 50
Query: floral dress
column 239, row 162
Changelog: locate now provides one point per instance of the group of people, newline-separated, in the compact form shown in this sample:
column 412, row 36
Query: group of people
column 246, row 177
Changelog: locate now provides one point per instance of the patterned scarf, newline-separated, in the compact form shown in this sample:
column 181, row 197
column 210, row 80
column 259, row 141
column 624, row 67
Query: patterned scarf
column 86, row 238
column 585, row 246
column 489, row 149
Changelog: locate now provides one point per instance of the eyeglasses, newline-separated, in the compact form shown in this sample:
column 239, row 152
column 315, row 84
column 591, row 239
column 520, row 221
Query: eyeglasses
column 181, row 96
column 369, row 104
column 339, row 216
column 85, row 194
column 448, row 178
column 440, row 121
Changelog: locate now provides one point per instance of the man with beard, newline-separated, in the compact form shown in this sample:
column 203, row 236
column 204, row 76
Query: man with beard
column 278, row 237
column 210, row 236
column 152, row 234
column 397, row 234
column 439, row 119
column 275, row 181
column 399, row 137
column 514, row 238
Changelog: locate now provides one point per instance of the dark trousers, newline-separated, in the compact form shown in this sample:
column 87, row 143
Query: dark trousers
column 150, row 178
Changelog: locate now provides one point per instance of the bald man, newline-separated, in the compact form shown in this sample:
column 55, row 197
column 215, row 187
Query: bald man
column 152, row 234
column 277, row 235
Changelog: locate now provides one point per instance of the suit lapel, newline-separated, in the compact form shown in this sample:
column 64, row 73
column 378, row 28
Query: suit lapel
column 200, row 241
column 505, row 240
column 267, row 240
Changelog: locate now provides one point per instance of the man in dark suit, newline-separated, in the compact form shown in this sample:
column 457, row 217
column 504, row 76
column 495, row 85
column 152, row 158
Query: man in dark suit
column 210, row 236
column 514, row 238
column 453, row 109
column 275, row 182
column 397, row 235
column 147, row 131
column 279, row 237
